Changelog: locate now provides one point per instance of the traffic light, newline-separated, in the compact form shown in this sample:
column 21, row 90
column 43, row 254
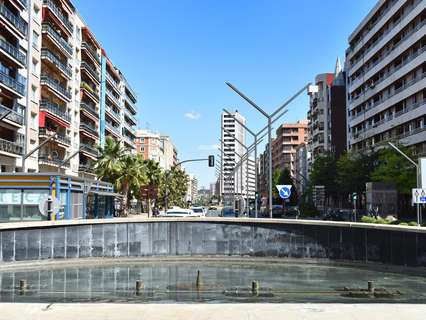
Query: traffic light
column 211, row 161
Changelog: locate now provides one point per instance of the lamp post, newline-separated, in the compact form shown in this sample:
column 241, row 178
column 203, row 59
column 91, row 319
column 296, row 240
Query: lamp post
column 269, row 120
column 256, row 139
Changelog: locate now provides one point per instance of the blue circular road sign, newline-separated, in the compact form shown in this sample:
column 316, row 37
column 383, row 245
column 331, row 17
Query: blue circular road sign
column 285, row 192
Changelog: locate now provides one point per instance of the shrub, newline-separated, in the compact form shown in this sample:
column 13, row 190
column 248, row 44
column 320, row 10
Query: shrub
column 412, row 223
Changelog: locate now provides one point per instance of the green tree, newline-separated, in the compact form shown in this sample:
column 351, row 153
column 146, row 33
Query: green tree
column 393, row 167
column 175, row 182
column 154, row 175
column 109, row 165
column 323, row 173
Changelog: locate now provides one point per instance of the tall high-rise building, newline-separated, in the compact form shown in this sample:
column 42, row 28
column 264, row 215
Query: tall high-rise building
column 234, row 182
column 289, row 136
column 327, row 114
column 54, row 83
column 386, row 83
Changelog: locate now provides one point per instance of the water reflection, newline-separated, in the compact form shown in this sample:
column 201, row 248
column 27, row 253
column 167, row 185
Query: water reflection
column 175, row 282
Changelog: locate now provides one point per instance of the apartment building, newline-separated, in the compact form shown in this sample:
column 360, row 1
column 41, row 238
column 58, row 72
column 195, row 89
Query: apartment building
column 327, row 114
column 15, row 52
column 192, row 189
column 302, row 158
column 157, row 147
column 53, row 90
column 386, row 83
column 237, row 184
column 288, row 137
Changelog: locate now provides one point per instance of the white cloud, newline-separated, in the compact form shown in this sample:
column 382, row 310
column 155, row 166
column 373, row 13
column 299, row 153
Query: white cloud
column 205, row 147
column 192, row 115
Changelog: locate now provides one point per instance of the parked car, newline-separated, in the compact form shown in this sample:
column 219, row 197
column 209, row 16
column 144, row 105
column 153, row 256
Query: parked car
column 178, row 212
column 200, row 211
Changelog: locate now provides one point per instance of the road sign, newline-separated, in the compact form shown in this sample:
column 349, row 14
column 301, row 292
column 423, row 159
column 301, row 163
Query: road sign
column 419, row 195
column 43, row 205
column 284, row 191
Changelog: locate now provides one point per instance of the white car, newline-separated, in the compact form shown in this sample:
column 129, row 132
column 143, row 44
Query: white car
column 178, row 212
column 199, row 211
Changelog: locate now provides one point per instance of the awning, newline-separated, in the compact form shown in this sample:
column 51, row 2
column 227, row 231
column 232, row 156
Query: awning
column 105, row 193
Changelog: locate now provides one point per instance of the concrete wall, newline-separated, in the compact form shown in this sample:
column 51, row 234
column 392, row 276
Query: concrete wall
column 263, row 237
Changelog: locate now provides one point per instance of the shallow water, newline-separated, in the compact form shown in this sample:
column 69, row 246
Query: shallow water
column 222, row 282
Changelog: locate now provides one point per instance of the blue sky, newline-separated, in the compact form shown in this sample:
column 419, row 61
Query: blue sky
column 178, row 54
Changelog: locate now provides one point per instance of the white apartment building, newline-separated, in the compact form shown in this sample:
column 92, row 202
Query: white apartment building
column 53, row 83
column 386, row 76
column 192, row 190
column 233, row 182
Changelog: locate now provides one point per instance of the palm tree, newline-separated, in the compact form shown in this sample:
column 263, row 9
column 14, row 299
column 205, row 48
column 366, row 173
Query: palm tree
column 109, row 165
column 154, row 175
column 132, row 177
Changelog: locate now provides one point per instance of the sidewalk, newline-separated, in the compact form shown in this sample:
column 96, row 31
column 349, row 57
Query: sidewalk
column 194, row 311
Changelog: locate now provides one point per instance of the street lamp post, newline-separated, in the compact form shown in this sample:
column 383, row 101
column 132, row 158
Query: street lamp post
column 269, row 120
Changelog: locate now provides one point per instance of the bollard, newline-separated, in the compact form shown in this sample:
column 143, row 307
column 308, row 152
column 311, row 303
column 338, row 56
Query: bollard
column 371, row 286
column 255, row 287
column 139, row 286
column 199, row 281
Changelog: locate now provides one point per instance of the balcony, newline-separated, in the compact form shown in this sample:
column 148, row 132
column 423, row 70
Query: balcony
column 115, row 114
column 86, row 168
column 89, row 128
column 90, row 70
column 13, row 84
column 90, row 109
column 11, row 147
column 130, row 116
column 56, row 86
column 89, row 149
column 91, row 93
column 15, row 20
column 43, row 132
column 93, row 53
column 23, row 3
column 114, row 83
column 115, row 130
column 55, row 110
column 15, row 115
column 130, row 105
column 61, row 42
column 58, row 14
column 50, row 161
column 13, row 51
column 48, row 55
column 112, row 97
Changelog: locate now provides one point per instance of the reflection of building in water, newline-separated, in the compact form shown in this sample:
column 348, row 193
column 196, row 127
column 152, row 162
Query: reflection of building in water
column 24, row 196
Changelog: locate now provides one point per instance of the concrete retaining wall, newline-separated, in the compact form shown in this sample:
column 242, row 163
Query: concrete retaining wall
column 183, row 237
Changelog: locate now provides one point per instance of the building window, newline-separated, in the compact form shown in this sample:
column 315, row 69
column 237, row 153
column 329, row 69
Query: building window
column 36, row 13
column 35, row 39
column 34, row 67
column 34, row 93
column 34, row 120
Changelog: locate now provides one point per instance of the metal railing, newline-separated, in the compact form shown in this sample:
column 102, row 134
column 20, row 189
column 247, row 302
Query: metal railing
column 387, row 97
column 111, row 110
column 89, row 108
column 86, row 168
column 112, row 97
column 388, row 74
column 90, row 90
column 90, row 69
column 15, row 115
column 47, row 159
column 89, row 148
column 55, row 35
column 54, row 84
column 51, row 5
column 14, row 19
column 54, row 109
column 114, row 83
column 47, row 54
column 11, row 146
column 13, row 51
column 128, row 114
column 92, row 51
column 12, row 83
column 114, row 129
column 89, row 128
column 59, row 137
